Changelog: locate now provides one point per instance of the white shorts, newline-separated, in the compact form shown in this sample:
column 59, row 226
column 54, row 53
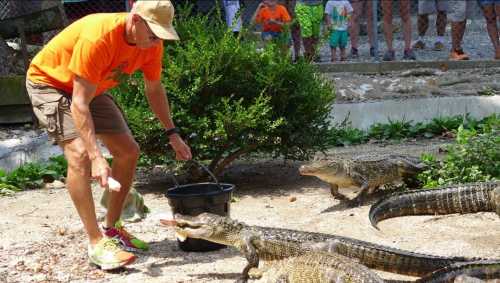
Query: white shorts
column 432, row 6
column 460, row 10
column 231, row 9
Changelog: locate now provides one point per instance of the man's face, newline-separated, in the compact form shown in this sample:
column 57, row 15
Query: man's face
column 145, row 37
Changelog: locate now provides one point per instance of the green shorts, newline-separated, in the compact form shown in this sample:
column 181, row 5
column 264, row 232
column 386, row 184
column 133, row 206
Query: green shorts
column 338, row 38
column 309, row 18
column 52, row 109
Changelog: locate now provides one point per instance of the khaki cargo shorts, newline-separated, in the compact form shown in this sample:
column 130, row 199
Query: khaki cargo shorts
column 52, row 108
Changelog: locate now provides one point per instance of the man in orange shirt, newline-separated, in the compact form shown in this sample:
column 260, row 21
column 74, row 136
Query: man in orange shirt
column 272, row 16
column 66, row 83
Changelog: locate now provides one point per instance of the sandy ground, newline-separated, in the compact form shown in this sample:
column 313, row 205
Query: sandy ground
column 43, row 240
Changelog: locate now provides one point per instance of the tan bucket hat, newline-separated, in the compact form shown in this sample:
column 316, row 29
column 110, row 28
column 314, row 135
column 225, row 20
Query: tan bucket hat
column 159, row 15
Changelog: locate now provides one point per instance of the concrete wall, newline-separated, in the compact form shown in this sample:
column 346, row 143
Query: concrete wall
column 363, row 115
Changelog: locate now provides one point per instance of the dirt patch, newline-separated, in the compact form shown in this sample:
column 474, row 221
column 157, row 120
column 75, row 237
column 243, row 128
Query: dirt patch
column 43, row 240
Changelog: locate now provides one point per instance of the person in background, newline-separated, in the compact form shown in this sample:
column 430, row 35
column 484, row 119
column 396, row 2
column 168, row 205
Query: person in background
column 272, row 16
column 67, row 83
column 294, row 28
column 233, row 18
column 358, row 7
column 404, row 11
column 337, row 18
column 459, row 11
column 426, row 7
column 491, row 11
column 309, row 14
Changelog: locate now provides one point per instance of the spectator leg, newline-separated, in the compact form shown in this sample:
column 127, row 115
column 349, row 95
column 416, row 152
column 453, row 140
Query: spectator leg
column 404, row 11
column 369, row 23
column 296, row 38
column 387, row 17
column 441, row 23
column 354, row 29
column 422, row 24
column 491, row 24
column 457, row 34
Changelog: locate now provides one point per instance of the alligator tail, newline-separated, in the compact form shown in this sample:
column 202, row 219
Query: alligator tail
column 395, row 260
column 464, row 198
column 483, row 269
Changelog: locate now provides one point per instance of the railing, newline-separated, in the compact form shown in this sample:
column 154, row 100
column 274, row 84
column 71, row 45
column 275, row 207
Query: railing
column 476, row 41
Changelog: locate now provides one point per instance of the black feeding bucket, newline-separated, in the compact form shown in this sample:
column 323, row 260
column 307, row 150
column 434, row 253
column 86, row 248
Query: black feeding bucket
column 194, row 199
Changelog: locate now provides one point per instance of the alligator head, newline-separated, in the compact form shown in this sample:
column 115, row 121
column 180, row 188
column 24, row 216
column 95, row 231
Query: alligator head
column 329, row 170
column 208, row 226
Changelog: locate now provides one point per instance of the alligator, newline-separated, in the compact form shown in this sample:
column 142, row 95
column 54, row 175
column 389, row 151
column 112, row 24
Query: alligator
column 317, row 267
column 464, row 198
column 482, row 269
column 256, row 246
column 365, row 171
column 369, row 254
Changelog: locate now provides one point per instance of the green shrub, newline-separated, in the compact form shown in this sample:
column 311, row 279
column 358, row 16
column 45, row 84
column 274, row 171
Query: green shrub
column 230, row 98
column 474, row 157
column 32, row 175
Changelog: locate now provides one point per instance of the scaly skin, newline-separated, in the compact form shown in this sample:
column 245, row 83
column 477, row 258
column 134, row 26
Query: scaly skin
column 483, row 269
column 229, row 232
column 464, row 198
column 257, row 247
column 317, row 267
column 367, row 172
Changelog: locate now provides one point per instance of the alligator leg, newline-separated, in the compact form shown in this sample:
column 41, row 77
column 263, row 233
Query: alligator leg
column 334, row 190
column 251, row 255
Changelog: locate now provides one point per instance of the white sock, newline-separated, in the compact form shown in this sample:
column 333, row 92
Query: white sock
column 421, row 38
column 439, row 39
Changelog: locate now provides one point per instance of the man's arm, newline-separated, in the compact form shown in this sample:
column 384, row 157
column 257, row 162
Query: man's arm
column 83, row 93
column 158, row 102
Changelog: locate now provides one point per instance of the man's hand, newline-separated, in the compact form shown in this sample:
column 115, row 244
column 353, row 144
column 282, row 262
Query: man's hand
column 101, row 171
column 182, row 150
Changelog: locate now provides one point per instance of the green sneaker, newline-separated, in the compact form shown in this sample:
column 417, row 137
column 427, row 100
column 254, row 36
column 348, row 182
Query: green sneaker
column 128, row 241
column 108, row 255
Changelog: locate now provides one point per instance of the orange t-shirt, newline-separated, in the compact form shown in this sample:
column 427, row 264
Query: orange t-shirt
column 279, row 13
column 95, row 49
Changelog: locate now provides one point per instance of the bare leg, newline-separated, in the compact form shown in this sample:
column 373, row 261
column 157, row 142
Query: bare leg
column 78, row 184
column 369, row 23
column 387, row 17
column 308, row 48
column 354, row 30
column 457, row 34
column 296, row 38
column 422, row 24
column 491, row 24
column 404, row 11
column 334, row 54
column 125, row 153
column 343, row 57
column 441, row 23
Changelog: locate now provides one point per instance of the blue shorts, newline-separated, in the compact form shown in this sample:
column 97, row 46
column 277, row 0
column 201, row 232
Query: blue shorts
column 488, row 2
column 338, row 38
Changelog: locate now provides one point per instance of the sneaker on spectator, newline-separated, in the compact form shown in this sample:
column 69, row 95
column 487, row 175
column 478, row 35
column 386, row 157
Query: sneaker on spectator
column 389, row 55
column 419, row 45
column 438, row 46
column 409, row 55
column 458, row 54
column 354, row 53
column 108, row 255
column 372, row 51
column 126, row 240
